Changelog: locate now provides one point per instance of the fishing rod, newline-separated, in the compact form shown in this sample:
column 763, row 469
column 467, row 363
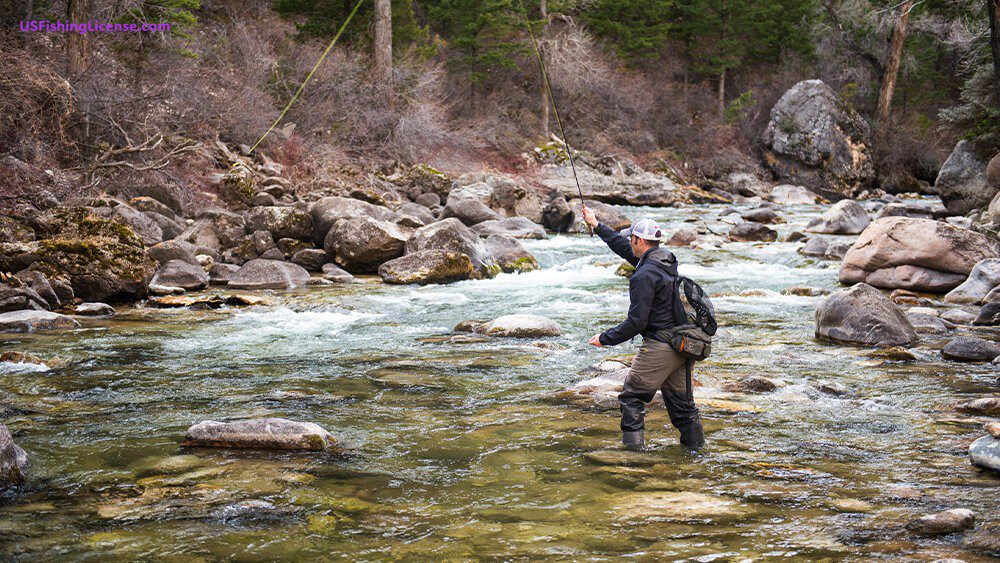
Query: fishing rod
column 555, row 109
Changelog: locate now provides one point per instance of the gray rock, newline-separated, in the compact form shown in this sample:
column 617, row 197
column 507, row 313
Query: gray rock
column 362, row 244
column 836, row 250
column 862, row 315
column 516, row 227
column 35, row 321
column 151, row 205
column 220, row 273
column 336, row 274
column 683, row 237
column 905, row 210
column 311, row 259
column 521, row 326
column 177, row 273
column 281, row 222
column 427, row 267
column 263, row 199
column 215, row 231
column 792, row 195
column 269, row 274
column 985, row 276
column 95, row 310
column 148, row 231
column 926, row 324
column 761, row 215
column 946, row 522
column 451, row 234
column 846, row 217
column 174, row 250
column 817, row 140
column 985, row 453
column 970, row 349
column 41, row 286
column 557, row 215
column 273, row 254
column 429, row 200
column 170, row 228
column 752, row 232
column 469, row 210
column 13, row 460
column 958, row 316
column 815, row 246
column 267, row 433
column 605, row 213
column 989, row 315
column 986, row 406
column 510, row 254
column 414, row 215
column 961, row 182
column 329, row 210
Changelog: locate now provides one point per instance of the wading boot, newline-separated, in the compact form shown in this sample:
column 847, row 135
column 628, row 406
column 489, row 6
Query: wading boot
column 634, row 440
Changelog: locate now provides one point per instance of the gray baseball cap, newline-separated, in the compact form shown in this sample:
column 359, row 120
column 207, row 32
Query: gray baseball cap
column 646, row 229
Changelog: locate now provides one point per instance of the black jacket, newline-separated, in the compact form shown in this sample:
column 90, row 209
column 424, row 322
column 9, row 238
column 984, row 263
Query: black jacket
column 651, row 290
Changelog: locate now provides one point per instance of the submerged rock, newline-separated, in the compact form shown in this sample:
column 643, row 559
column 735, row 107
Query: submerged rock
column 863, row 315
column 427, row 267
column 752, row 232
column 946, row 522
column 970, row 349
column 755, row 384
column 13, row 460
column 35, row 321
column 846, row 217
column 676, row 506
column 521, row 326
column 266, row 433
column 989, row 406
column 269, row 274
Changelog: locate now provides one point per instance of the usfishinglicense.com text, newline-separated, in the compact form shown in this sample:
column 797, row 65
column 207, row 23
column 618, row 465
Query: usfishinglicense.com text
column 93, row 26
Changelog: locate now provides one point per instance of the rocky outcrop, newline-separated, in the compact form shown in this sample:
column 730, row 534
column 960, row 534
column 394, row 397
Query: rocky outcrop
column 451, row 234
column 846, row 217
column 281, row 222
column 516, row 227
column 984, row 276
column 266, row 433
column 35, row 321
column 13, row 460
column 815, row 139
column 328, row 210
column 915, row 254
column 426, row 267
column 141, row 224
column 862, row 315
column 520, row 326
column 268, row 274
column 510, row 254
column 961, row 182
column 362, row 244
column 178, row 273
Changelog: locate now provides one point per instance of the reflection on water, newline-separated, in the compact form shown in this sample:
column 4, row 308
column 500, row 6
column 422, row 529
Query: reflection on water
column 456, row 450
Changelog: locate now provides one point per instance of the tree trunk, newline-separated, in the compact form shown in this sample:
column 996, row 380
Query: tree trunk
column 545, row 88
column 722, row 93
column 383, row 40
column 888, row 82
column 76, row 44
column 993, row 10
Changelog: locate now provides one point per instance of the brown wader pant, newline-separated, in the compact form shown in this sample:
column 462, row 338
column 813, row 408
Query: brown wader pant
column 658, row 367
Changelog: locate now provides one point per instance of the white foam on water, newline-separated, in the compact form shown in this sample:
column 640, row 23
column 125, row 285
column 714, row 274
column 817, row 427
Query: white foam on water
column 16, row 367
column 754, row 272
column 430, row 294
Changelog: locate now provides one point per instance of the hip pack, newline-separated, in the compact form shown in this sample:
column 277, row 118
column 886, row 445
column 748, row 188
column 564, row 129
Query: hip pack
column 693, row 341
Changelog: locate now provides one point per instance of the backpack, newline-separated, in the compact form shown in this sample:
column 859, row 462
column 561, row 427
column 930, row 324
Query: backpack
column 693, row 339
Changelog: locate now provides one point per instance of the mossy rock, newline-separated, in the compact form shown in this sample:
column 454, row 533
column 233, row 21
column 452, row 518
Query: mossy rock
column 12, row 230
column 625, row 270
column 238, row 187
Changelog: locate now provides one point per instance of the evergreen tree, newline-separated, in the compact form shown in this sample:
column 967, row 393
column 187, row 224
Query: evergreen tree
column 324, row 17
column 485, row 35
column 639, row 29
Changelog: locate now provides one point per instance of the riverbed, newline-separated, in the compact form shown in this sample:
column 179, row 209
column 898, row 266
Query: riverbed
column 458, row 448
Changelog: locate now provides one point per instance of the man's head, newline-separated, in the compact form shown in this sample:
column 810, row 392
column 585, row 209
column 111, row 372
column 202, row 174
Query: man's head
column 644, row 235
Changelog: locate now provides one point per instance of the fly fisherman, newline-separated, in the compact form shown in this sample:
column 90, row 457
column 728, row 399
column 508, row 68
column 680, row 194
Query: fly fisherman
column 653, row 306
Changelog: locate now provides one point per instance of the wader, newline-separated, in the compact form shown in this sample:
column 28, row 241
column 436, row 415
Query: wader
column 658, row 367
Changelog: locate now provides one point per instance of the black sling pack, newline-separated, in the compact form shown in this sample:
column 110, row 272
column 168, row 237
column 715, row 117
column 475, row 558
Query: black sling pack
column 693, row 339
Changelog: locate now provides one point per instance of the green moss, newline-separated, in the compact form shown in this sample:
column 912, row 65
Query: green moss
column 525, row 264
column 71, row 246
column 625, row 270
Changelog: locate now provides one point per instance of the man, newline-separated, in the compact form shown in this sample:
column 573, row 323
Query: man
column 653, row 306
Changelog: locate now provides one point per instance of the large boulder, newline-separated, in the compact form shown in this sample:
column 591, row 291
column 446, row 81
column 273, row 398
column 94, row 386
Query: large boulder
column 984, row 277
column 174, row 250
column 362, row 244
column 451, row 234
column 985, row 453
column 605, row 213
column 328, row 210
column 426, row 267
column 989, row 315
column 815, row 139
column 268, row 274
column 414, row 215
column 862, row 315
column 970, row 349
column 520, row 326
column 281, row 222
column 915, row 254
column 557, row 215
column 467, row 208
column 141, row 224
column 215, row 231
column 503, row 195
column 846, row 217
column 18, row 296
column 102, row 259
column 961, row 183
column 265, row 433
column 751, row 232
column 13, row 460
column 516, row 227
column 35, row 321
column 178, row 273
column 510, row 254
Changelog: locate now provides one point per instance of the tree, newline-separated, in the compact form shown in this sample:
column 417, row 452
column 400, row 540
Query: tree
column 993, row 13
column 638, row 29
column 544, row 10
column 887, row 82
column 383, row 40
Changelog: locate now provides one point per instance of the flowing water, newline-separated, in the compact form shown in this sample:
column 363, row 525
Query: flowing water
column 456, row 449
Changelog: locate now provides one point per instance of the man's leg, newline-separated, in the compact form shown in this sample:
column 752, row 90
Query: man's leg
column 683, row 412
column 654, row 362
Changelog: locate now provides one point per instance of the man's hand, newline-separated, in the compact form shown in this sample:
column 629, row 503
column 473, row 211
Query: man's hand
column 589, row 218
column 596, row 339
